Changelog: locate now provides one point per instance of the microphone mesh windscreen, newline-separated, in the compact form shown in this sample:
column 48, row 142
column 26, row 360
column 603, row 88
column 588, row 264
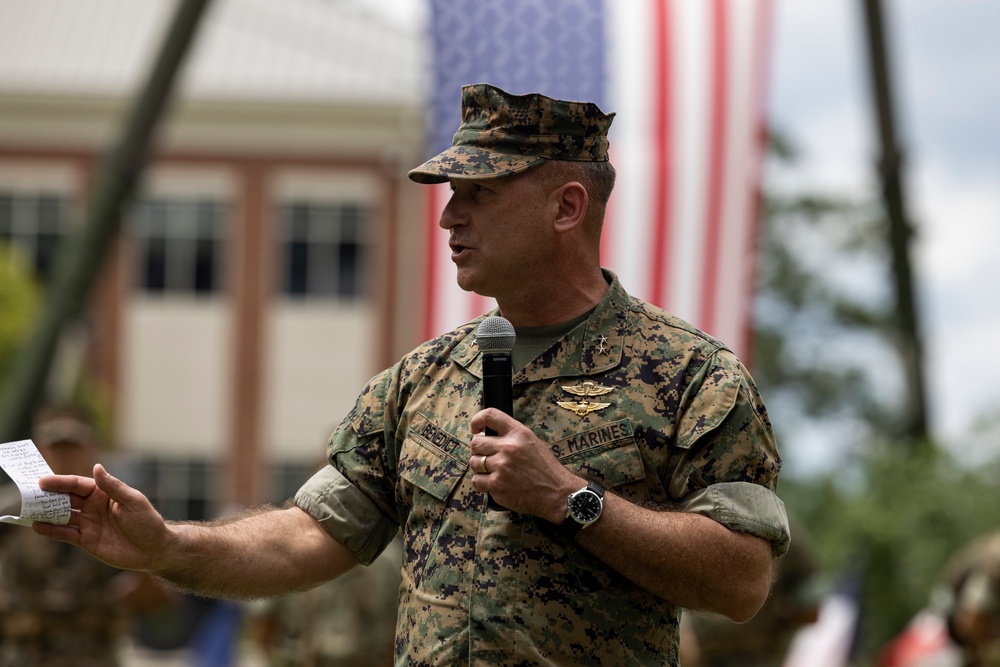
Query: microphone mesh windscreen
column 495, row 334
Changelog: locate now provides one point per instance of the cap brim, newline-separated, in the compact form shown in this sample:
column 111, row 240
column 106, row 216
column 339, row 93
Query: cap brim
column 469, row 162
column 63, row 431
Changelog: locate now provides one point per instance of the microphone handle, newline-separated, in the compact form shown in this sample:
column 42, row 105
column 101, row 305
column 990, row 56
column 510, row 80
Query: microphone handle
column 497, row 393
column 497, row 380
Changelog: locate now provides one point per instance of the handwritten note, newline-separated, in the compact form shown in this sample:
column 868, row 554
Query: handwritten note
column 24, row 464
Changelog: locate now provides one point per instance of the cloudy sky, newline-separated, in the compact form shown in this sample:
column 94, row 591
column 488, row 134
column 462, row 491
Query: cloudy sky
column 946, row 64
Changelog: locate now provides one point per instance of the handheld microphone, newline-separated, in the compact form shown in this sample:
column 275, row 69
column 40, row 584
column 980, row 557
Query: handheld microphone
column 496, row 338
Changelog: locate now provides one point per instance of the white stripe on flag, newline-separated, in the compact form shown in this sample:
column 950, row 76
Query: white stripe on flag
column 631, row 38
column 738, row 253
column 689, row 26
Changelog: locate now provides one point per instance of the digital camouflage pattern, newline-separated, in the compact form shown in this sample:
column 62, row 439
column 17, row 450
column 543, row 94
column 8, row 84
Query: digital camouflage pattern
column 685, row 428
column 56, row 603
column 503, row 134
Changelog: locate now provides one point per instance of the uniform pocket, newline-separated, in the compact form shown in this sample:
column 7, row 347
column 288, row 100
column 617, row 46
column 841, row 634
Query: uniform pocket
column 432, row 459
column 607, row 454
column 432, row 464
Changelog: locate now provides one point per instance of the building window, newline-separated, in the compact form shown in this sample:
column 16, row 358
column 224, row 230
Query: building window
column 286, row 478
column 180, row 245
column 34, row 224
column 188, row 489
column 182, row 490
column 323, row 249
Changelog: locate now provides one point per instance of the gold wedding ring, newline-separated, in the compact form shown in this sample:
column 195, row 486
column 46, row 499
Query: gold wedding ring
column 482, row 466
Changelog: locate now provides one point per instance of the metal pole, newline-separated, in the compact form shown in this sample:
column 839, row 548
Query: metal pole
column 900, row 230
column 83, row 255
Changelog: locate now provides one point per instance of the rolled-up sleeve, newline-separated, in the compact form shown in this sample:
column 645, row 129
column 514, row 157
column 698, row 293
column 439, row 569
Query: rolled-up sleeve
column 727, row 463
column 744, row 507
column 352, row 496
column 346, row 513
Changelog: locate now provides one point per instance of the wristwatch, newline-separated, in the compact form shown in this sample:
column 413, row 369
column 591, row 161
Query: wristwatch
column 584, row 507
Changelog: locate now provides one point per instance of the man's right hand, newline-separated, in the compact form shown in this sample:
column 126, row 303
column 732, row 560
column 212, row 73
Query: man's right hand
column 110, row 519
column 262, row 552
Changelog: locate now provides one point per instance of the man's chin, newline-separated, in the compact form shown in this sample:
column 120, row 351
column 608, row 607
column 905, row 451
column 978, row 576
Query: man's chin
column 468, row 283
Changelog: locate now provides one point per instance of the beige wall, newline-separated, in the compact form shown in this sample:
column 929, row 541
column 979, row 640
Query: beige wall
column 175, row 376
column 319, row 359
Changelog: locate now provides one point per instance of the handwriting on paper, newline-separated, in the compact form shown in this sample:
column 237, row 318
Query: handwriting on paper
column 24, row 464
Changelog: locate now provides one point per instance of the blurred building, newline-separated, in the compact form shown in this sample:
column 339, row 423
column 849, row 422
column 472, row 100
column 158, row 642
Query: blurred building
column 266, row 269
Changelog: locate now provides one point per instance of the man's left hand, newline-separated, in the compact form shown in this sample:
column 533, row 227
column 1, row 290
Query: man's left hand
column 522, row 473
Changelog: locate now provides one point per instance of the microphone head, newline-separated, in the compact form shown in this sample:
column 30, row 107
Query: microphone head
column 495, row 334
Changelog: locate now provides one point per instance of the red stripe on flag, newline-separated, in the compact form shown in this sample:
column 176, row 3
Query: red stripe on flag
column 477, row 305
column 663, row 122
column 431, row 279
column 762, row 52
column 716, row 165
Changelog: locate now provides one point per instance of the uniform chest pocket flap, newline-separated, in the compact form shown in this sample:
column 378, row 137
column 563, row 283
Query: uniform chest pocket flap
column 607, row 453
column 433, row 459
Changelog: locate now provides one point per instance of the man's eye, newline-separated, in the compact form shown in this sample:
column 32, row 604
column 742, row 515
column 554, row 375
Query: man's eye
column 469, row 189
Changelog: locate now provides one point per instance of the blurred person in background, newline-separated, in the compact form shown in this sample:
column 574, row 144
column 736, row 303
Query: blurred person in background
column 960, row 626
column 716, row 641
column 60, row 606
column 348, row 621
column 971, row 595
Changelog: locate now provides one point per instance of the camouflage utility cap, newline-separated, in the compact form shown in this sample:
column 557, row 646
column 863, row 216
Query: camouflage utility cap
column 503, row 134
column 62, row 427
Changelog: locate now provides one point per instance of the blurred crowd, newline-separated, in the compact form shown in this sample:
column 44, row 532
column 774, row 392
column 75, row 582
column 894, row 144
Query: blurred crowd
column 59, row 606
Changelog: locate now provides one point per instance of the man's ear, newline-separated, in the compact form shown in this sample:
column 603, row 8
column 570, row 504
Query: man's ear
column 571, row 201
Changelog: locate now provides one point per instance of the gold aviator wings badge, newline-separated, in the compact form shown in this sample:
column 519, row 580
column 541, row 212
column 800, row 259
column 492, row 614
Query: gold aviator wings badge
column 585, row 391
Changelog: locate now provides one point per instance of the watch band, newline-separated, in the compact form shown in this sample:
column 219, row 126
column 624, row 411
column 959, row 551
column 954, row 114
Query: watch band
column 571, row 525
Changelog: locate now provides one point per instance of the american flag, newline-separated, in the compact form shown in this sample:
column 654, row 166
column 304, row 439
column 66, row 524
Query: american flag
column 687, row 80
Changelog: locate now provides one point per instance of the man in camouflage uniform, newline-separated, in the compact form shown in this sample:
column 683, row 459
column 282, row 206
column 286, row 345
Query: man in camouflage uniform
column 609, row 393
column 349, row 621
column 58, row 604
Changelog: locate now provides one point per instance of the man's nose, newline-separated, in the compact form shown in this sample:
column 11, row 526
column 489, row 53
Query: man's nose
column 451, row 214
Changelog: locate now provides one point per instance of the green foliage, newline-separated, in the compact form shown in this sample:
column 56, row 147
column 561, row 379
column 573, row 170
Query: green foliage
column 892, row 509
column 823, row 313
column 898, row 523
column 19, row 303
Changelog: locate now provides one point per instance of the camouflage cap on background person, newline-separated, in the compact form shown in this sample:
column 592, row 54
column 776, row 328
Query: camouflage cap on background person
column 63, row 425
column 504, row 134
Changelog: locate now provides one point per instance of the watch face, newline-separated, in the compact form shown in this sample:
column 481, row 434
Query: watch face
column 585, row 507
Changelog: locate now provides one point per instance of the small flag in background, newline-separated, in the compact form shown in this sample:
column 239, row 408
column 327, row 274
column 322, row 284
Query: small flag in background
column 831, row 641
column 686, row 78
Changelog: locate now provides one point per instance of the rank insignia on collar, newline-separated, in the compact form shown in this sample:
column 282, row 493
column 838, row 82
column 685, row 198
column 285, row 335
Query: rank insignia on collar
column 585, row 390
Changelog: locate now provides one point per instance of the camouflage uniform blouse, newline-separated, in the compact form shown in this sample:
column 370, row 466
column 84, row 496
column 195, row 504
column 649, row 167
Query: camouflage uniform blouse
column 684, row 428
